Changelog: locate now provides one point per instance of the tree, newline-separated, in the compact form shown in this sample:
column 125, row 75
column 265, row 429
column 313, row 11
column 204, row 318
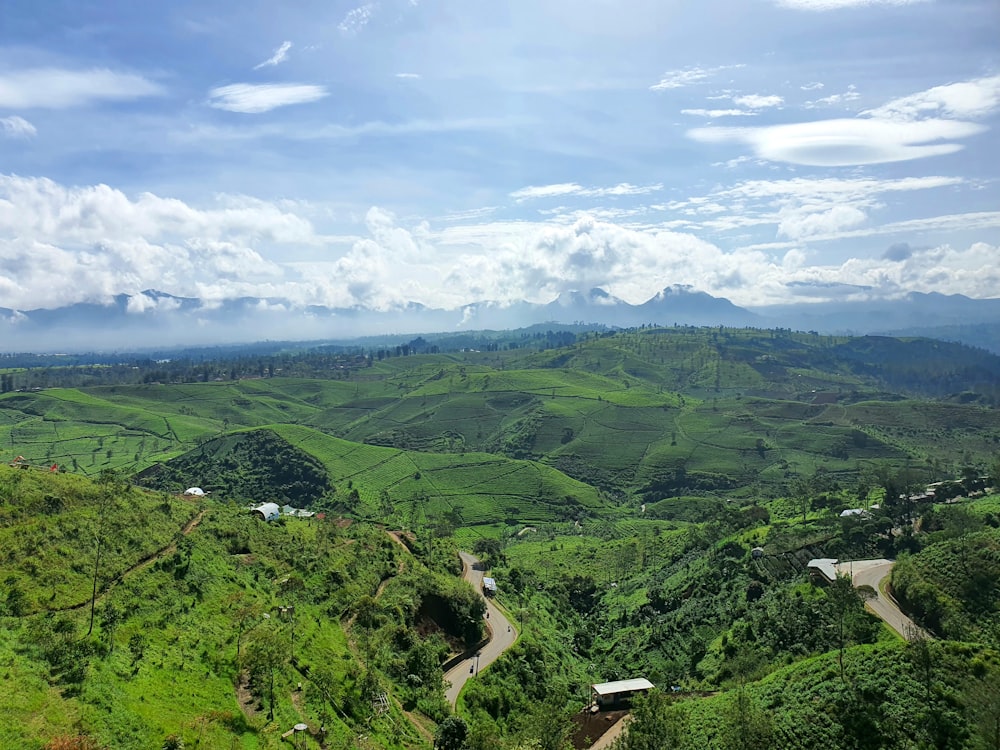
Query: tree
column 137, row 647
column 489, row 550
column 451, row 734
column 983, row 699
column 264, row 656
column 245, row 613
column 112, row 484
column 111, row 618
column 654, row 725
column 745, row 725
column 994, row 471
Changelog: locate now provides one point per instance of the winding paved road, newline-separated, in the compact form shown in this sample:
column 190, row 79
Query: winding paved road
column 502, row 635
column 872, row 573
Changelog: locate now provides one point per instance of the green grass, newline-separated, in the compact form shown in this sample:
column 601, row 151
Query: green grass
column 183, row 604
column 486, row 489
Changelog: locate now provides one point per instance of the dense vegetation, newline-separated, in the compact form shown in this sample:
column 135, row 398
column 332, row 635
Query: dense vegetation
column 643, row 415
column 247, row 465
column 648, row 501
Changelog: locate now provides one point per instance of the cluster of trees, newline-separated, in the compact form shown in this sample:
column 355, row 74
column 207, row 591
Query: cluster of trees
column 248, row 466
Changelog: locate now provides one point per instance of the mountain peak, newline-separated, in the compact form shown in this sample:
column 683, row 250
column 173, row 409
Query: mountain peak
column 594, row 296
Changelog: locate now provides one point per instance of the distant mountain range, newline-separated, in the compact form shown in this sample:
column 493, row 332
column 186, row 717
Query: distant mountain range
column 156, row 319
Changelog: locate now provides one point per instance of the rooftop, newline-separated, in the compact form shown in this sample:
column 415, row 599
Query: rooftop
column 622, row 686
column 824, row 565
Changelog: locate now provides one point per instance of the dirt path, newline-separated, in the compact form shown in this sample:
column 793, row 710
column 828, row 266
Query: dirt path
column 611, row 735
column 414, row 720
column 873, row 573
column 144, row 562
column 502, row 635
column 396, row 536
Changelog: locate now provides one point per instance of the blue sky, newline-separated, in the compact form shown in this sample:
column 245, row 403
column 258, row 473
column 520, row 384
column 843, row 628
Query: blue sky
column 448, row 151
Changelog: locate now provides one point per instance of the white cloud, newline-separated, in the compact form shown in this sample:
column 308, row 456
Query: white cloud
column 758, row 101
column 819, row 5
column 61, row 245
column 676, row 79
column 718, row 113
column 358, row 18
column 801, row 208
column 571, row 188
column 58, row 88
column 805, row 220
column 409, row 76
column 910, row 127
column 943, row 269
column 17, row 127
column 546, row 191
column 835, row 99
column 139, row 304
column 975, row 98
column 255, row 98
column 837, row 143
column 334, row 131
column 813, row 86
column 279, row 56
column 946, row 223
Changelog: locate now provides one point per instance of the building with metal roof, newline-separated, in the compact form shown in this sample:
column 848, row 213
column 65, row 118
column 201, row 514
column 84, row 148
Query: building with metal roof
column 267, row 512
column 824, row 566
column 620, row 692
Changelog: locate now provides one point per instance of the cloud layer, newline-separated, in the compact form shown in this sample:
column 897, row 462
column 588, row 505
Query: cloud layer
column 17, row 127
column 61, row 245
column 59, row 88
column 253, row 98
column 900, row 130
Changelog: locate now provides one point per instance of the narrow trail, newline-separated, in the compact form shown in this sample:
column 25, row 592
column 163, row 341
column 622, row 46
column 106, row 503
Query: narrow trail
column 502, row 635
column 415, row 722
column 144, row 562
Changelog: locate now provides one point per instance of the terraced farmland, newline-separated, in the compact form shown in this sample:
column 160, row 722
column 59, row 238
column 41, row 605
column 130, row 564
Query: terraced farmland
column 646, row 414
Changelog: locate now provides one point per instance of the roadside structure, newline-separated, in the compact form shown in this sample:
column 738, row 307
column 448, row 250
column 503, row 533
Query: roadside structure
column 824, row 567
column 619, row 693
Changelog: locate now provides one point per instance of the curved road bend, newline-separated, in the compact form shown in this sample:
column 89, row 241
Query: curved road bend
column 502, row 634
column 871, row 573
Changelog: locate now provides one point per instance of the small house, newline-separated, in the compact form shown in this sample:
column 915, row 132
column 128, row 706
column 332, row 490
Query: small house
column 266, row 512
column 823, row 568
column 194, row 492
column 619, row 693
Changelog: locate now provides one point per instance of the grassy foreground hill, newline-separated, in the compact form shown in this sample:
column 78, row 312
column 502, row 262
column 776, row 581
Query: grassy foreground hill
column 191, row 637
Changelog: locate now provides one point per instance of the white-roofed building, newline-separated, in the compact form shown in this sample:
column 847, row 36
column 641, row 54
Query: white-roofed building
column 823, row 566
column 194, row 492
column 267, row 512
column 610, row 694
